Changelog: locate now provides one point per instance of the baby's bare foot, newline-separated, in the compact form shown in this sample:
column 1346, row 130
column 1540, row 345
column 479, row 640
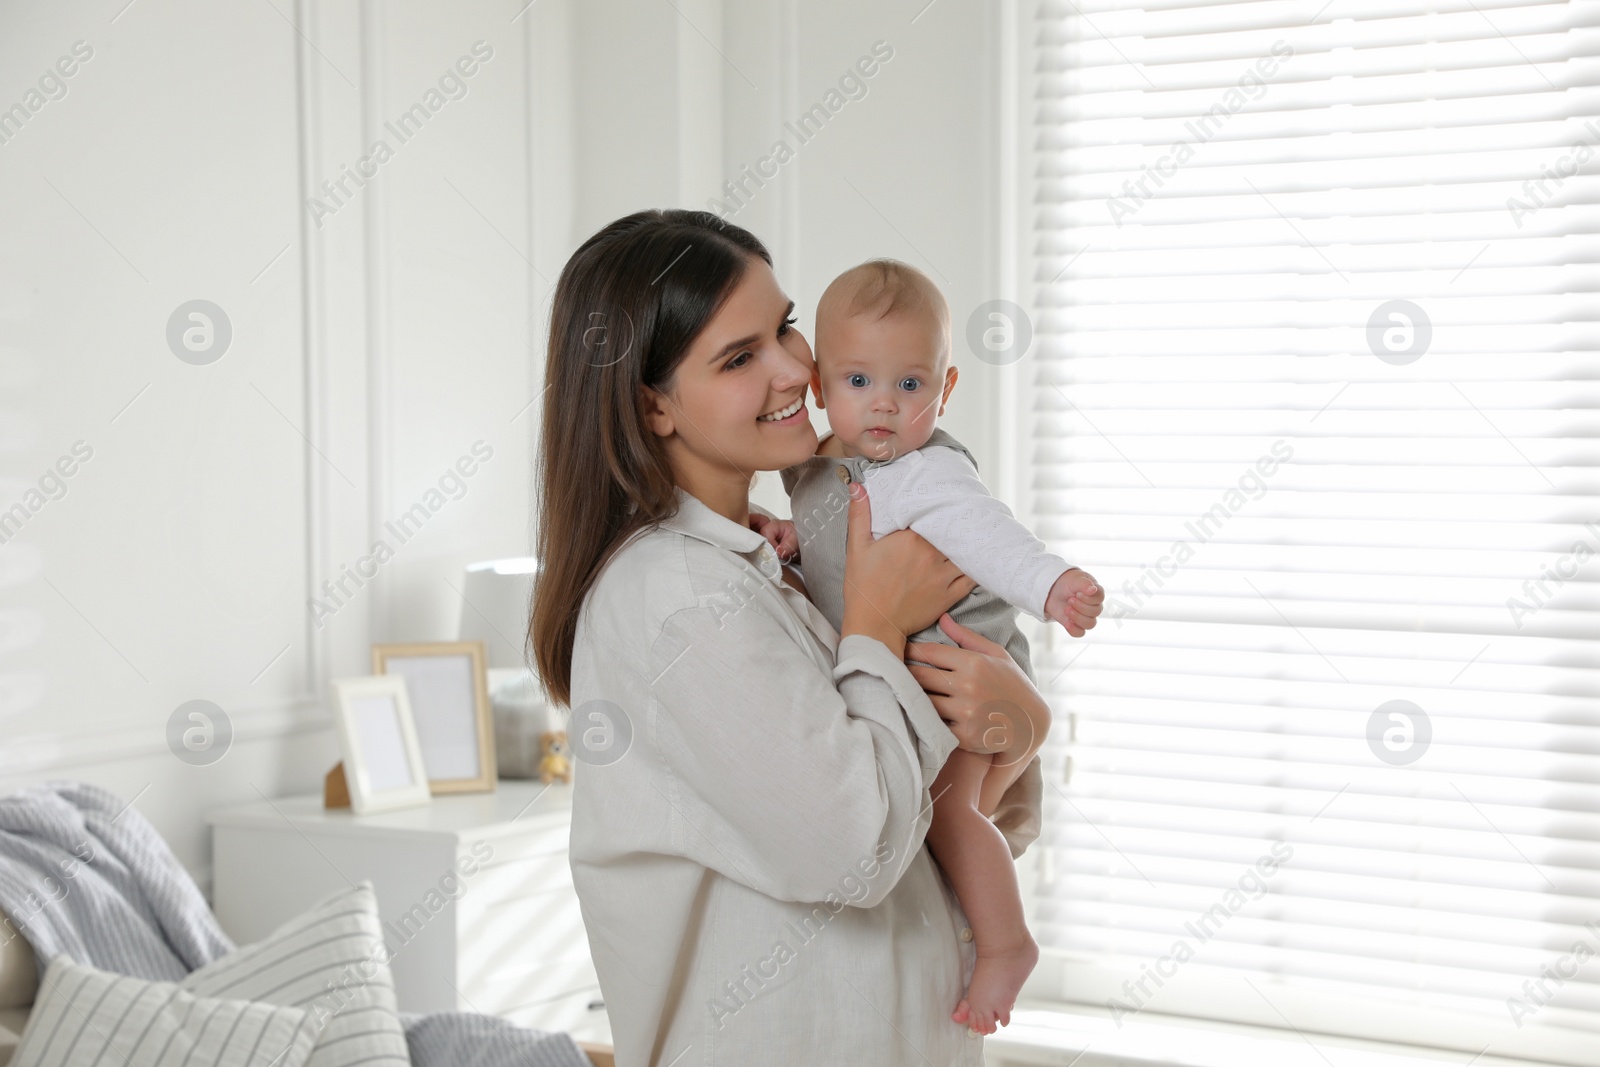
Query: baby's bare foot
column 996, row 980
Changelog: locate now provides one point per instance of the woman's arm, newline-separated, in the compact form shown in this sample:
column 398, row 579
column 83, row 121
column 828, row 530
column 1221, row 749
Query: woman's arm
column 792, row 781
column 894, row 585
column 991, row 706
column 981, row 693
column 797, row 783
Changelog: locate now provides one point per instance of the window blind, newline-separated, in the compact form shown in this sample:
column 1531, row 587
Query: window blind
column 1313, row 390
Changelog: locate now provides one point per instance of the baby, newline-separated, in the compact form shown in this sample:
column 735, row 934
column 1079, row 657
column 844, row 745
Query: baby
column 883, row 374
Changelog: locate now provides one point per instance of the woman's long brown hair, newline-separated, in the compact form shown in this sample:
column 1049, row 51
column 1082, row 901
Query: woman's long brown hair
column 628, row 305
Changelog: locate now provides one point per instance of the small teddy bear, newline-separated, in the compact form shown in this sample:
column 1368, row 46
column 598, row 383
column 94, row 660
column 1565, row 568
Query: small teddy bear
column 553, row 752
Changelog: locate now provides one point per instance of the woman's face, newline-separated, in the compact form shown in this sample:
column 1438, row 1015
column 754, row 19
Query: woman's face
column 748, row 361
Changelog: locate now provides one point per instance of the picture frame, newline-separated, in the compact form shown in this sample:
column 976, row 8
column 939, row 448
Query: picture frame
column 449, row 689
column 383, row 765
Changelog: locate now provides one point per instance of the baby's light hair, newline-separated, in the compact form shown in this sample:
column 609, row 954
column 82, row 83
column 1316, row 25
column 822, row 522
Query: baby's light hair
column 883, row 287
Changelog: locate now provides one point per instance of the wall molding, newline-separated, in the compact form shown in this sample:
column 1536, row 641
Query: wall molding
column 313, row 347
column 378, row 326
column 34, row 754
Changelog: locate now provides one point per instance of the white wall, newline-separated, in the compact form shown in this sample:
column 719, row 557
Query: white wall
column 392, row 337
column 911, row 169
column 906, row 171
column 371, row 348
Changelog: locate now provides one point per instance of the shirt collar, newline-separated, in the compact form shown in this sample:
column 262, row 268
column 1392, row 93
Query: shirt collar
column 696, row 519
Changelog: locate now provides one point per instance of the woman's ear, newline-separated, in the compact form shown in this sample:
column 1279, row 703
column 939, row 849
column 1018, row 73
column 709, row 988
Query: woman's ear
column 950, row 376
column 654, row 408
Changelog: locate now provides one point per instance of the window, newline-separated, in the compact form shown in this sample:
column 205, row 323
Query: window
column 1313, row 391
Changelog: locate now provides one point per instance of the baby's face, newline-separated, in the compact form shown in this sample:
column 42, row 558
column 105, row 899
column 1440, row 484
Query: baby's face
column 880, row 383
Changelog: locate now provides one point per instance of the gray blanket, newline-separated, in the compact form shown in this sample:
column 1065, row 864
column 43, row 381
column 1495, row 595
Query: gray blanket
column 83, row 872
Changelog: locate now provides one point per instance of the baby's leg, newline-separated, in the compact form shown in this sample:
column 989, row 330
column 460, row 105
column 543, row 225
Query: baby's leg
column 977, row 860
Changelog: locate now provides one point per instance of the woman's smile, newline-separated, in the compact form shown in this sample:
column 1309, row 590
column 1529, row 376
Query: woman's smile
column 796, row 414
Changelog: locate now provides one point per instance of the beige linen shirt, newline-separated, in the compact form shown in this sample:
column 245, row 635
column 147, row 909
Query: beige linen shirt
column 750, row 800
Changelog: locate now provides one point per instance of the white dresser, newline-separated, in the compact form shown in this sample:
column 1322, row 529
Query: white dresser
column 505, row 939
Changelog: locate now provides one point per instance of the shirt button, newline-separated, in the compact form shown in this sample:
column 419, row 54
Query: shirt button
column 966, row 933
column 843, row 472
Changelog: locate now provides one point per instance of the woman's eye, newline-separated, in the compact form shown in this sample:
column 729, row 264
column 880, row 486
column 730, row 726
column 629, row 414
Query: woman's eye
column 736, row 361
column 857, row 380
column 787, row 323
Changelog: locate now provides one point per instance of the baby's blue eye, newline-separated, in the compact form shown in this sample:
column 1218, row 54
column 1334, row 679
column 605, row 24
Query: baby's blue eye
column 857, row 380
column 913, row 386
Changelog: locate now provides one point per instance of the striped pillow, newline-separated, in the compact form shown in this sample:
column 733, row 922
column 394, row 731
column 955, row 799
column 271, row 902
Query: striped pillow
column 86, row 1017
column 332, row 962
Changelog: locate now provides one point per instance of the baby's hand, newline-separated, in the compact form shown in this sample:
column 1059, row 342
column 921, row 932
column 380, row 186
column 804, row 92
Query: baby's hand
column 1074, row 601
column 780, row 532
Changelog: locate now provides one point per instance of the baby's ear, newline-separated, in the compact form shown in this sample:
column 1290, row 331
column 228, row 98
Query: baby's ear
column 816, row 387
column 950, row 376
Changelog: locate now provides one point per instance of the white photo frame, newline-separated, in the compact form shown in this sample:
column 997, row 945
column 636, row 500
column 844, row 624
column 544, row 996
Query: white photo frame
column 383, row 766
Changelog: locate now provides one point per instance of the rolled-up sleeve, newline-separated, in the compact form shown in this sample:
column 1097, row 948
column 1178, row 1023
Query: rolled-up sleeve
column 779, row 776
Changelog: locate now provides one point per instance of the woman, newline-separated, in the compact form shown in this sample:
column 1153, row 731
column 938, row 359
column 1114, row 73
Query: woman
column 747, row 831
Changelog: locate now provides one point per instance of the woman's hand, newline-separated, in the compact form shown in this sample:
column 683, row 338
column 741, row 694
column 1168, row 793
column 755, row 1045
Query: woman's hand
column 897, row 584
column 981, row 694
